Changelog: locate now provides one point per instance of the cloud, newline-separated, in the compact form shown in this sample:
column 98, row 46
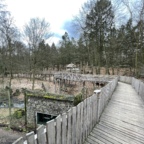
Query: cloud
column 68, row 26
column 57, row 12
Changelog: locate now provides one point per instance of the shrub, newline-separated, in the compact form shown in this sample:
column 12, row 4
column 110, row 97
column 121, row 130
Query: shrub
column 77, row 99
column 19, row 113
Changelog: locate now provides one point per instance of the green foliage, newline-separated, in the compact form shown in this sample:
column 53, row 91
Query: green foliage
column 77, row 99
column 68, row 50
column 7, row 129
column 19, row 113
column 102, row 41
column 16, row 93
column 50, row 95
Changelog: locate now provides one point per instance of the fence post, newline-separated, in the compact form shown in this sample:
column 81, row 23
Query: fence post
column 82, row 121
column 74, row 125
column 69, row 132
column 58, row 130
column 30, row 138
column 78, row 120
column 41, row 137
column 98, row 105
column 51, row 133
column 64, row 128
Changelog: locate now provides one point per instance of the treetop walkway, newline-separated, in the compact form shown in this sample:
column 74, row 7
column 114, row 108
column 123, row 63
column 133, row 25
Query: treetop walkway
column 122, row 120
column 116, row 115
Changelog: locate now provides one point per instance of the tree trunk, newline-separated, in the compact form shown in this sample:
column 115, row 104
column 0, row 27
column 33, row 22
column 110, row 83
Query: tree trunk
column 33, row 80
column 9, row 99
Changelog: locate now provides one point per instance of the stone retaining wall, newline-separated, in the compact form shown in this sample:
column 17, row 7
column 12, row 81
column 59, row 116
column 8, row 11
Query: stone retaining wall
column 46, row 106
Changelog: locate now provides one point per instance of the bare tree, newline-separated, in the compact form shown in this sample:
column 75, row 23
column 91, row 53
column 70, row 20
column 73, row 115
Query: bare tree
column 35, row 32
column 9, row 34
column 136, row 10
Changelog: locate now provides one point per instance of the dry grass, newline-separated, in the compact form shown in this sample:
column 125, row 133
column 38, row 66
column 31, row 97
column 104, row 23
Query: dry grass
column 4, row 115
column 4, row 112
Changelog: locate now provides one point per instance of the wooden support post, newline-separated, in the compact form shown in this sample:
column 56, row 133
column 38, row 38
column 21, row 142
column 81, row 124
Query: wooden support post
column 65, row 85
column 60, row 86
column 55, row 84
column 98, row 105
column 25, row 101
column 9, row 99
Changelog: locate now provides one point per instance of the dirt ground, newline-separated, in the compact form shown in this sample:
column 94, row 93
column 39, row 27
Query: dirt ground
column 19, row 83
column 9, row 136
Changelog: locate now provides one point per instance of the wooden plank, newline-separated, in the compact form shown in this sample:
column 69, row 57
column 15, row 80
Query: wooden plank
column 99, row 97
column 105, row 136
column 30, row 138
column 124, row 130
column 128, row 80
column 141, row 90
column 69, row 130
column 95, row 109
column 41, row 137
column 102, row 139
column 91, row 116
column 82, row 121
column 95, row 139
column 58, row 130
column 127, row 106
column 64, row 128
column 88, row 116
column 135, row 122
column 86, row 142
column 74, row 127
column 19, row 141
column 85, row 119
column 120, row 135
column 123, row 124
column 78, row 120
column 51, row 133
column 108, row 136
column 127, row 113
column 122, row 78
column 91, row 141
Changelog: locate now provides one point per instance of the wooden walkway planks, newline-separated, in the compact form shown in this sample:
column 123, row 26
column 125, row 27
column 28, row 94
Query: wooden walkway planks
column 122, row 121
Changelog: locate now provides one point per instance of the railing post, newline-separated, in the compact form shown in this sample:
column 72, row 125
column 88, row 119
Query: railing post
column 98, row 104
column 51, row 132
column 30, row 138
column 41, row 137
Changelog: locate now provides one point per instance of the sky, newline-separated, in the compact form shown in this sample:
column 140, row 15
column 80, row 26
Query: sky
column 58, row 13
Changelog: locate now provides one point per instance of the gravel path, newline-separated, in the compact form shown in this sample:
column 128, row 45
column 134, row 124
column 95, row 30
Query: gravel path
column 9, row 136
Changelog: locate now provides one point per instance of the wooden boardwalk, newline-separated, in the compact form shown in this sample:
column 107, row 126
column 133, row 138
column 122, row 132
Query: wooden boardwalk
column 122, row 121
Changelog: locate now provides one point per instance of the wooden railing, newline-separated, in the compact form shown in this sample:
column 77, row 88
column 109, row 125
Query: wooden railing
column 28, row 75
column 83, row 77
column 74, row 126
column 137, row 84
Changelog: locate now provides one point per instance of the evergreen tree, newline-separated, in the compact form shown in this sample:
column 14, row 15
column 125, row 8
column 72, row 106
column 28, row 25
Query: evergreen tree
column 99, row 22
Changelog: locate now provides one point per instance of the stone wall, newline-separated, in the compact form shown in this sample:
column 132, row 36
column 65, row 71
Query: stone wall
column 47, row 106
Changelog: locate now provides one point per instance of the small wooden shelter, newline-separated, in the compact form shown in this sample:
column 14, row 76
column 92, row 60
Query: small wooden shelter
column 70, row 67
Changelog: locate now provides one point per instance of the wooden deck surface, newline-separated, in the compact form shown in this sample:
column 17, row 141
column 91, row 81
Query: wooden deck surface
column 122, row 121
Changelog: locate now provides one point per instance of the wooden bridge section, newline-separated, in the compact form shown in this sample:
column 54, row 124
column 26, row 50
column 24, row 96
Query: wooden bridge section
column 115, row 116
column 122, row 120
